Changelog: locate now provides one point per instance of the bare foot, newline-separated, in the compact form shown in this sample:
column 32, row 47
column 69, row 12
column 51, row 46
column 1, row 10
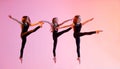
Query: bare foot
column 54, row 59
column 98, row 31
column 21, row 59
column 78, row 59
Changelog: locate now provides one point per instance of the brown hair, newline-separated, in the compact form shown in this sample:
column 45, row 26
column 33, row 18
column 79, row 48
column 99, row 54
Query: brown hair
column 74, row 20
column 25, row 17
column 77, row 16
column 53, row 20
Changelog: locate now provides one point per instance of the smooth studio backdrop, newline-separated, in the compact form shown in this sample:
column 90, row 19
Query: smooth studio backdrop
column 98, row 51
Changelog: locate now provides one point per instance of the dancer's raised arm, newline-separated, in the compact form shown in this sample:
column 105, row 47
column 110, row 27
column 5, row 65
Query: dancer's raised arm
column 65, row 21
column 87, row 21
column 15, row 19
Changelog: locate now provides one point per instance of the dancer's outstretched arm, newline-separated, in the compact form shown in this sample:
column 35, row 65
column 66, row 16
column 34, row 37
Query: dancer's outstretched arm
column 47, row 22
column 65, row 21
column 83, row 23
column 71, row 25
column 33, row 24
column 15, row 19
column 51, row 25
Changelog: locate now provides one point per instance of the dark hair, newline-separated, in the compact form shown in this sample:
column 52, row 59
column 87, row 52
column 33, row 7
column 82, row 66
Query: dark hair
column 25, row 17
column 53, row 20
column 77, row 16
column 74, row 20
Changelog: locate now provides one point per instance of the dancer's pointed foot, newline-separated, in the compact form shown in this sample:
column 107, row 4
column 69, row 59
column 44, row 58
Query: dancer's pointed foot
column 21, row 59
column 98, row 31
column 78, row 59
column 54, row 59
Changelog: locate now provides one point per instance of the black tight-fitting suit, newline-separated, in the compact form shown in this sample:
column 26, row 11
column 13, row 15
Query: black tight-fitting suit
column 56, row 34
column 77, row 34
column 24, row 35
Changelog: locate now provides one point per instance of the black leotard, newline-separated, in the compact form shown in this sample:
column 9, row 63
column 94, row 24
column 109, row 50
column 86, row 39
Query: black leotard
column 56, row 34
column 77, row 34
column 24, row 34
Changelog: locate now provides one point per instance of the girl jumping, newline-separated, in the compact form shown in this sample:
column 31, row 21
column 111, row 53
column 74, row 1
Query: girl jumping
column 55, row 34
column 25, row 23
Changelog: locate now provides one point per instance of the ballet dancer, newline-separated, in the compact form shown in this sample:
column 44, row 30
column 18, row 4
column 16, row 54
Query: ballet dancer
column 25, row 23
column 55, row 34
column 77, row 25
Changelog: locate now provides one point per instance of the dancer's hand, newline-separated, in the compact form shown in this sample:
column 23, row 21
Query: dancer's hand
column 9, row 16
column 41, row 23
column 98, row 31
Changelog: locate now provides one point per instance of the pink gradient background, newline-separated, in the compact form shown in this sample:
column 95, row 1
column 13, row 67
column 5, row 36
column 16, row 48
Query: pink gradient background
column 100, row 51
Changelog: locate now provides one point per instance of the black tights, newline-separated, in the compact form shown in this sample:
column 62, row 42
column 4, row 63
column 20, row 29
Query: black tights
column 55, row 36
column 77, row 39
column 24, row 39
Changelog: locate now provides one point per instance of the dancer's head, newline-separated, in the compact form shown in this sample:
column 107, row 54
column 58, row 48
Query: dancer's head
column 26, row 19
column 55, row 20
column 76, row 19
